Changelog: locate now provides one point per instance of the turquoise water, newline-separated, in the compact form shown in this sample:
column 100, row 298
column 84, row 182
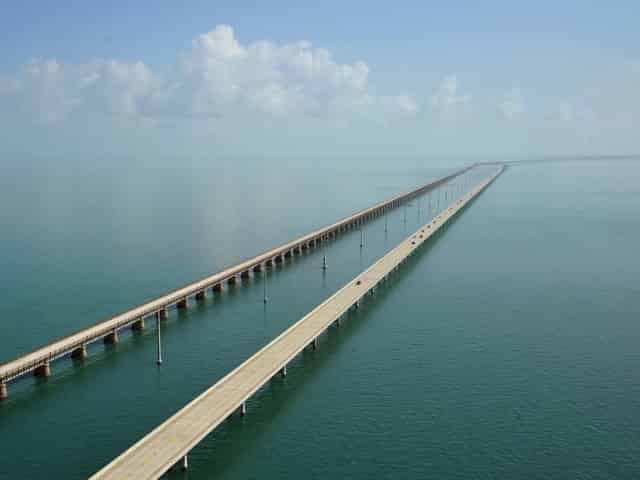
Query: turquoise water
column 507, row 348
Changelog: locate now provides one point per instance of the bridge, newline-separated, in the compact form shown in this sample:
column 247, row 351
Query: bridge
column 38, row 362
column 170, row 443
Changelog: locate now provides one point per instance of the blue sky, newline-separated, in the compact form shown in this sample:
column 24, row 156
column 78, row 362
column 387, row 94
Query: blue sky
column 371, row 78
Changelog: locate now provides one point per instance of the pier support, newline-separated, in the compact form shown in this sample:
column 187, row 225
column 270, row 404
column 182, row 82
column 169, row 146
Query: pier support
column 112, row 338
column 200, row 295
column 243, row 409
column 217, row 287
column 80, row 353
column 43, row 370
column 232, row 280
column 182, row 304
column 4, row 393
column 185, row 462
column 257, row 268
column 245, row 274
column 138, row 325
column 163, row 313
column 284, row 371
column 314, row 343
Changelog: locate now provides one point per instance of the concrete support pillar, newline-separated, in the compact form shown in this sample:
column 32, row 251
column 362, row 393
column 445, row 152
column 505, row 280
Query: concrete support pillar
column 138, row 325
column 243, row 409
column 232, row 280
column 284, row 371
column 277, row 259
column 182, row 304
column 80, row 353
column 112, row 338
column 43, row 370
column 257, row 268
column 163, row 313
column 185, row 462
column 314, row 343
column 4, row 392
column 200, row 295
column 217, row 287
column 269, row 263
column 246, row 274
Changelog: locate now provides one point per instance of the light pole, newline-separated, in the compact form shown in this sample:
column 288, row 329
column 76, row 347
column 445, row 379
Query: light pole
column 265, row 299
column 159, row 360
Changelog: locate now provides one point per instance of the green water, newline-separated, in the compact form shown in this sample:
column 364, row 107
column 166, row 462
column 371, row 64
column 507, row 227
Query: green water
column 505, row 349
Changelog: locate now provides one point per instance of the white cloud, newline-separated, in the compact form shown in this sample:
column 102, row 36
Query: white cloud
column 512, row 104
column 52, row 90
column 447, row 99
column 218, row 76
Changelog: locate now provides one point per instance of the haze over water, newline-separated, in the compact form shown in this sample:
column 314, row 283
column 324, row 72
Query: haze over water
column 507, row 348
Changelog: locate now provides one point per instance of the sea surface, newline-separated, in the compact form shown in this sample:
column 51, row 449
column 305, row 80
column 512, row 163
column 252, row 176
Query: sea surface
column 507, row 348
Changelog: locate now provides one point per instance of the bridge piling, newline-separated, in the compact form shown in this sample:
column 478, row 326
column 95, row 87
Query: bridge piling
column 138, row 325
column 4, row 391
column 80, row 353
column 181, row 304
column 112, row 338
column 43, row 370
column 243, row 409
column 200, row 296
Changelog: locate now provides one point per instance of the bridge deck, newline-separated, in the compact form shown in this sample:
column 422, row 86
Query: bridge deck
column 158, row 451
column 30, row 361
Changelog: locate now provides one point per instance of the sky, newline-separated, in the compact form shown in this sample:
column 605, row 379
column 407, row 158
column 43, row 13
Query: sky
column 334, row 79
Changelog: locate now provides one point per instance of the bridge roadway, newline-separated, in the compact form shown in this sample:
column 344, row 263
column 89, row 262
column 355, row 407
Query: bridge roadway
column 170, row 442
column 38, row 361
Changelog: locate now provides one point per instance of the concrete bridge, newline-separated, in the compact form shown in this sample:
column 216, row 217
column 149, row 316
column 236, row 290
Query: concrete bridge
column 39, row 362
column 169, row 443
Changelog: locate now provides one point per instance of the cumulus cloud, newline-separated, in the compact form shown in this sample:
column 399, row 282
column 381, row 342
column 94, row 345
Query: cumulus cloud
column 218, row 76
column 53, row 90
column 512, row 104
column 447, row 98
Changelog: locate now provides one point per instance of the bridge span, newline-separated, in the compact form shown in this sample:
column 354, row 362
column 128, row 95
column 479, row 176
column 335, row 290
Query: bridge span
column 170, row 442
column 39, row 361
